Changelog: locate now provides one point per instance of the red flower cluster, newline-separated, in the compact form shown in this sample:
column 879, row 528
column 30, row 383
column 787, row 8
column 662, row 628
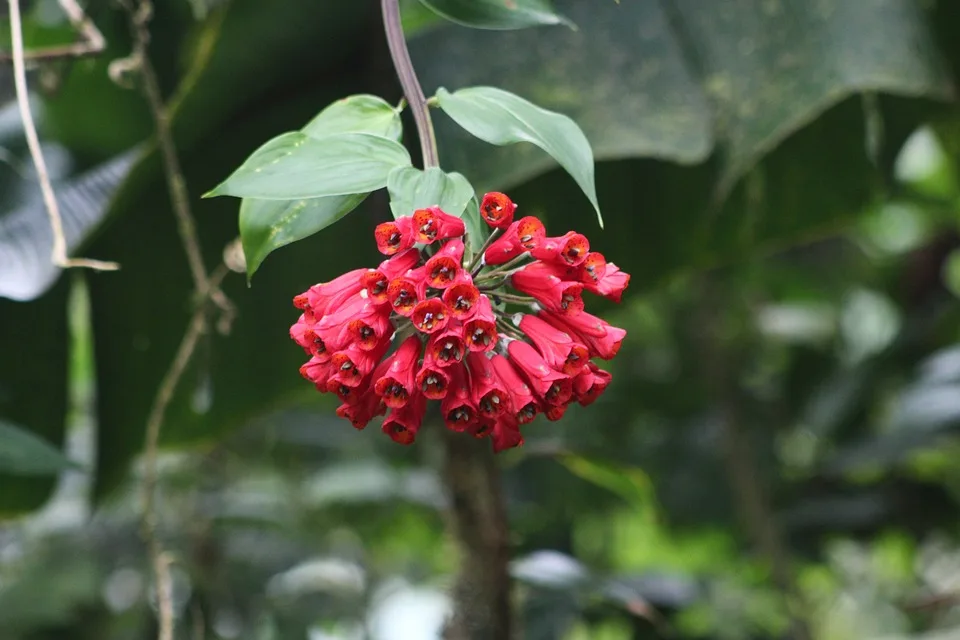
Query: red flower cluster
column 490, row 370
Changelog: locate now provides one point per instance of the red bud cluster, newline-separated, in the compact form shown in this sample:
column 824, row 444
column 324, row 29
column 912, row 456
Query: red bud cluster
column 431, row 323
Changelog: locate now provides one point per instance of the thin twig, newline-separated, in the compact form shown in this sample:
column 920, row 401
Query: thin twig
column 207, row 289
column 188, row 344
column 59, row 254
column 410, row 83
column 93, row 41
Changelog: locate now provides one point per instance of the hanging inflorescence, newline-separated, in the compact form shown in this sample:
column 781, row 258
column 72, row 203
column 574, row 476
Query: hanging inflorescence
column 491, row 370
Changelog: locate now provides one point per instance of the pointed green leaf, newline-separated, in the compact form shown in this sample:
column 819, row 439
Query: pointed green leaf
column 357, row 114
column 266, row 225
column 23, row 453
column 411, row 189
column 497, row 14
column 500, row 117
column 295, row 165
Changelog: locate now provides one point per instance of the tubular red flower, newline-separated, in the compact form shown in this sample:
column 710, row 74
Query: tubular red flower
column 317, row 371
column 612, row 284
column 482, row 427
column 489, row 394
column 592, row 269
column 506, row 433
column 338, row 318
column 330, row 295
column 589, row 384
column 457, row 408
column 430, row 316
column 352, row 364
column 525, row 234
column 360, row 413
column 462, row 297
column 434, row 224
column 442, row 269
column 434, row 380
column 397, row 383
column 371, row 328
column 523, row 404
column 395, row 236
column 347, row 326
column 403, row 423
column 302, row 333
column 602, row 339
column 403, row 294
column 556, row 412
column 541, row 281
column 376, row 281
column 551, row 386
column 447, row 347
column 570, row 249
column 557, row 347
column 497, row 209
column 480, row 332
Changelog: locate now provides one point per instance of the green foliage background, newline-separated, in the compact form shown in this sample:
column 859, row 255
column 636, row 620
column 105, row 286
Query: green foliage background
column 779, row 177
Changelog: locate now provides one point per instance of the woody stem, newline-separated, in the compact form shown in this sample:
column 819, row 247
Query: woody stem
column 409, row 81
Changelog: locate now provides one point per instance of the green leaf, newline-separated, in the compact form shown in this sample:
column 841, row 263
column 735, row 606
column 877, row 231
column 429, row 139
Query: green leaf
column 497, row 14
column 357, row 114
column 23, row 453
column 411, row 189
column 295, row 165
column 266, row 225
column 500, row 117
column 630, row 483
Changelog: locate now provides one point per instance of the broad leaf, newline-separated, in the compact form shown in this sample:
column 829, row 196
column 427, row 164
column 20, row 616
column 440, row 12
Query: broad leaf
column 500, row 117
column 266, row 225
column 295, row 165
column 23, row 453
column 497, row 14
column 357, row 114
column 411, row 189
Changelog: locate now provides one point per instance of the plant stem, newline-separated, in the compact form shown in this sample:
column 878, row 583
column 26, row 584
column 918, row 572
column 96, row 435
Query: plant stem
column 477, row 262
column 410, row 82
column 477, row 514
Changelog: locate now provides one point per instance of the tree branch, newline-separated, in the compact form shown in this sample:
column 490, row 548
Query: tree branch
column 59, row 252
column 92, row 43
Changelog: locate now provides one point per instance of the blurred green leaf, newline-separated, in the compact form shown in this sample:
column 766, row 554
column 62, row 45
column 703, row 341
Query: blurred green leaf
column 951, row 272
column 23, row 453
column 295, row 165
column 497, row 14
column 500, row 117
column 630, row 483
